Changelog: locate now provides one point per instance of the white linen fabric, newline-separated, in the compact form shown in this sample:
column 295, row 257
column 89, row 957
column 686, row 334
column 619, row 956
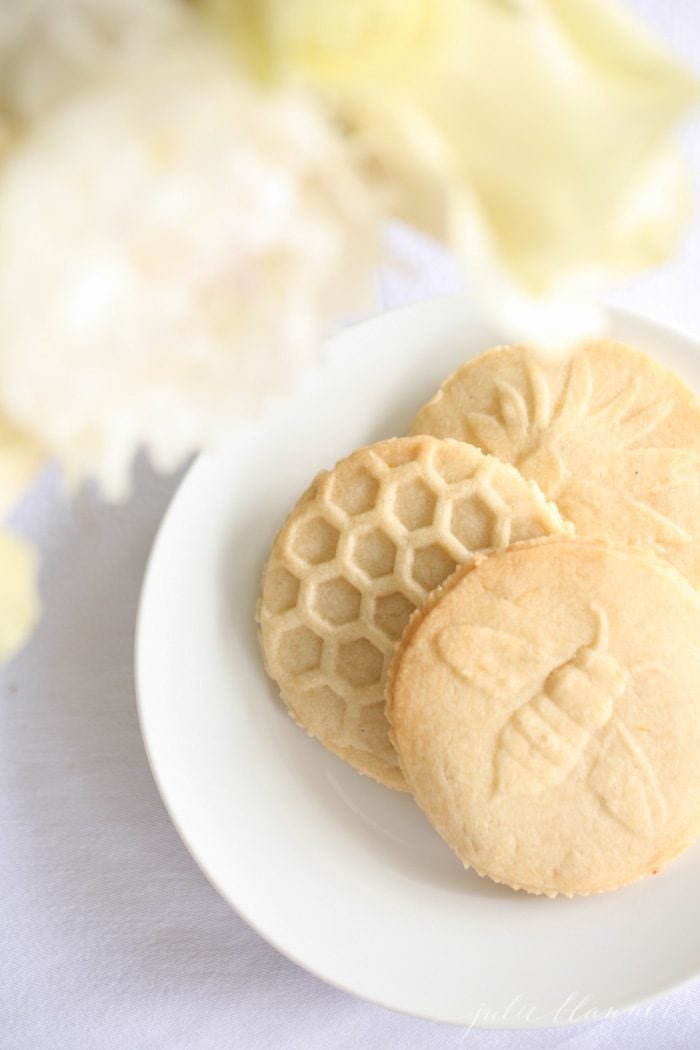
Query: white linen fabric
column 110, row 937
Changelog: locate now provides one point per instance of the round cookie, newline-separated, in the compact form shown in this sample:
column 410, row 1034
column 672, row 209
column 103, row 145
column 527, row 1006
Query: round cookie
column 546, row 710
column 360, row 551
column 608, row 433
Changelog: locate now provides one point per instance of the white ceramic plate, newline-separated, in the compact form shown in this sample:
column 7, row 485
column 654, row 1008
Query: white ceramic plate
column 342, row 875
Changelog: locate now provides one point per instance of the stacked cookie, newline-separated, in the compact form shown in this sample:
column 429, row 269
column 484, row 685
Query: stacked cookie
column 498, row 613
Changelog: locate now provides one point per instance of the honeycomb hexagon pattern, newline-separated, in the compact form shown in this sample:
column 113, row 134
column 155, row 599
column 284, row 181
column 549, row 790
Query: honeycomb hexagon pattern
column 362, row 549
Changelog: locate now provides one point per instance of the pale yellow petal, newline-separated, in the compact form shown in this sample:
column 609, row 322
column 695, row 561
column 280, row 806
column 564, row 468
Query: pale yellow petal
column 20, row 460
column 19, row 601
column 553, row 133
column 335, row 43
column 551, row 143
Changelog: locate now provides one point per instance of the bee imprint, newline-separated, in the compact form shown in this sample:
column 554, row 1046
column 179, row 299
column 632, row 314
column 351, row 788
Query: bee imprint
column 544, row 739
column 625, row 782
column 492, row 661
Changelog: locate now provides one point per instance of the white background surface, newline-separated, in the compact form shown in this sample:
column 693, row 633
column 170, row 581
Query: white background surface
column 109, row 935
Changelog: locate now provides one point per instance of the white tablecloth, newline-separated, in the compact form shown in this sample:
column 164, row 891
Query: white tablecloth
column 110, row 935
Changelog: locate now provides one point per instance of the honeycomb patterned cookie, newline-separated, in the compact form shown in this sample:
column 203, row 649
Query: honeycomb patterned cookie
column 608, row 433
column 364, row 546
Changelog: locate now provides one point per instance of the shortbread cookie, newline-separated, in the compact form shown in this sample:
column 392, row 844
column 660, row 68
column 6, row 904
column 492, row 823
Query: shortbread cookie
column 546, row 710
column 360, row 551
column 609, row 434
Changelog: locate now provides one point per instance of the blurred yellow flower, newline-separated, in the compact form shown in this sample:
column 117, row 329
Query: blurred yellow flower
column 19, row 605
column 20, row 460
column 532, row 135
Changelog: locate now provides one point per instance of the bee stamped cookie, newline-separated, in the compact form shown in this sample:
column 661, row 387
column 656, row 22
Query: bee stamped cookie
column 608, row 433
column 358, row 554
column 546, row 711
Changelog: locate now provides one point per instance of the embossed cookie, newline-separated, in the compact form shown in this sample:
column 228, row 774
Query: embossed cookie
column 546, row 710
column 361, row 550
column 609, row 434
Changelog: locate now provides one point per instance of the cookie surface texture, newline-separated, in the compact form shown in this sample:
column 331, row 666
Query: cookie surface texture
column 609, row 434
column 360, row 551
column 546, row 710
